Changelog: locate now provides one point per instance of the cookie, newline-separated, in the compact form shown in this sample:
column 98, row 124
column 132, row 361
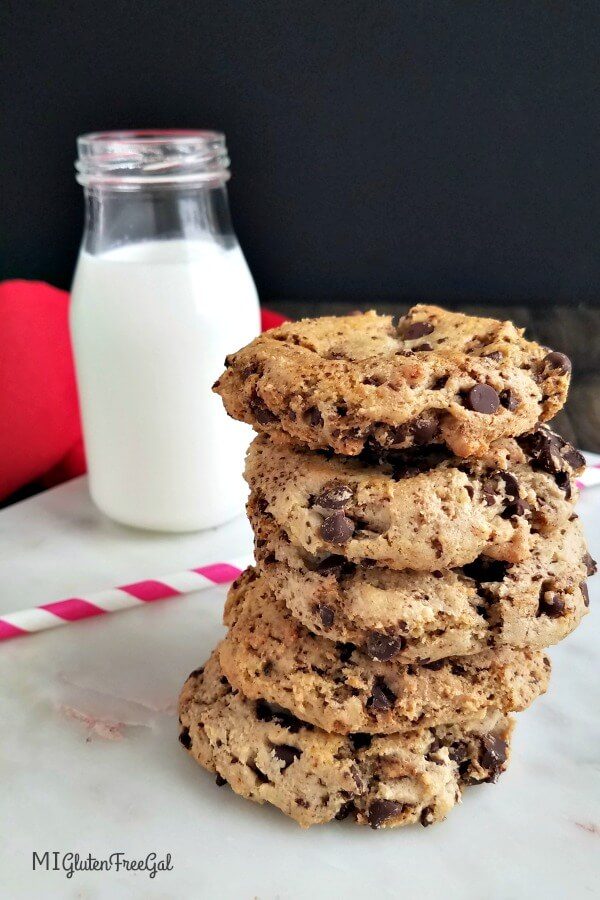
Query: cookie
column 347, row 382
column 268, row 755
column 425, row 511
column 270, row 655
column 422, row 616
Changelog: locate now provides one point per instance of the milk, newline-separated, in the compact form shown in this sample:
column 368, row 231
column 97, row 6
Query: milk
column 151, row 324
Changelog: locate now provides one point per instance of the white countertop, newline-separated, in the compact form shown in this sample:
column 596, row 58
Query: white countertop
column 90, row 760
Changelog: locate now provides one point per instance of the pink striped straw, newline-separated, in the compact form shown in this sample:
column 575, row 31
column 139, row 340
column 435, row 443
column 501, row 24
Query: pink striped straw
column 72, row 609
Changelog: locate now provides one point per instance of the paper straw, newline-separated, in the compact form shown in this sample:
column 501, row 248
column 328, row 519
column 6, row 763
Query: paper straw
column 72, row 609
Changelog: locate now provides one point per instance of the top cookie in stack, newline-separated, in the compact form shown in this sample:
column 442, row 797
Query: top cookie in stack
column 350, row 382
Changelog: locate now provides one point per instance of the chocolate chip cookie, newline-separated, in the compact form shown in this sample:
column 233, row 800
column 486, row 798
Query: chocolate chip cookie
column 268, row 654
column 268, row 755
column 345, row 383
column 426, row 510
column 425, row 616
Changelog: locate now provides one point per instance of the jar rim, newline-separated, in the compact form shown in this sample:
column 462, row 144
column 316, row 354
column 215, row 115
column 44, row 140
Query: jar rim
column 134, row 158
column 150, row 135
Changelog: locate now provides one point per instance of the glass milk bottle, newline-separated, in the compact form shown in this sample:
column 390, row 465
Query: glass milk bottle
column 161, row 294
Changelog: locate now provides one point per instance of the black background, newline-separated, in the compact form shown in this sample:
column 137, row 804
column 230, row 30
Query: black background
column 434, row 150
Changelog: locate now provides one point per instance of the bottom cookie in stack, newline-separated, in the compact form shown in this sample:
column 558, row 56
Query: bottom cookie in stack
column 269, row 755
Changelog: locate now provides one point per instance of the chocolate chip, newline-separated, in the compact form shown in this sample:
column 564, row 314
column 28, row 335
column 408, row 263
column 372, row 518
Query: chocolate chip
column 575, row 459
column 483, row 609
column 550, row 460
column 272, row 712
column 424, row 430
column 398, row 434
column 383, row 647
column 485, row 569
column 559, row 362
column 493, row 755
column 334, row 561
column 344, row 810
column 382, row 810
column 262, row 504
column 261, row 412
column 427, row 817
column 434, row 666
column 382, row 697
column 260, row 775
column 590, row 564
column 464, row 767
column 564, row 483
column 586, row 594
column 337, row 528
column 491, row 484
column 413, row 330
column 287, row 754
column 334, row 496
column 511, row 485
column 436, row 744
column 482, row 399
column 360, row 741
column 544, row 449
column 346, row 650
column 185, row 739
column 410, row 461
column 552, row 605
column 220, row 781
column 313, row 416
column 326, row 614
column 537, row 440
column 509, row 399
column 458, row 753
column 516, row 508
column 489, row 488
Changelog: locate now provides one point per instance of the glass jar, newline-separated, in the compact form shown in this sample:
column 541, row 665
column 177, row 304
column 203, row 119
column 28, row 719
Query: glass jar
column 161, row 294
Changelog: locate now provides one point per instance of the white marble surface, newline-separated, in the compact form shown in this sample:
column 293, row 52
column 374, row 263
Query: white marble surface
column 90, row 760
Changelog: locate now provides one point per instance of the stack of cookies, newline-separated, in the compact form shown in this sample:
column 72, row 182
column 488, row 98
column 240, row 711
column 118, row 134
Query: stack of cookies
column 416, row 551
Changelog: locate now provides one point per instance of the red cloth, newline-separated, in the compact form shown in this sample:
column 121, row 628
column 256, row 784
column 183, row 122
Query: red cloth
column 40, row 429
